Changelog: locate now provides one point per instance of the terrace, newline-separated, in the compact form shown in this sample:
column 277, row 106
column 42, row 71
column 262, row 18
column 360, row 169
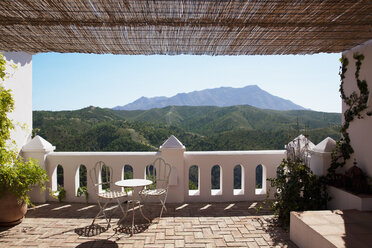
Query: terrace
column 170, row 28
column 184, row 225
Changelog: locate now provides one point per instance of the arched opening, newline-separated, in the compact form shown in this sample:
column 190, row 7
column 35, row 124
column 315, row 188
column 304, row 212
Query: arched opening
column 58, row 183
column 105, row 178
column 81, row 181
column 150, row 174
column 216, row 179
column 238, row 180
column 128, row 172
column 57, row 178
column 60, row 179
column 194, row 180
column 260, row 180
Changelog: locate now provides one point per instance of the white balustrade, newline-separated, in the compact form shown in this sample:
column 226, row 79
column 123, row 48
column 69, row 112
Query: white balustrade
column 181, row 162
column 227, row 160
column 71, row 161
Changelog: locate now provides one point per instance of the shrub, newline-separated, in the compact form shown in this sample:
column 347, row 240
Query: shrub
column 298, row 189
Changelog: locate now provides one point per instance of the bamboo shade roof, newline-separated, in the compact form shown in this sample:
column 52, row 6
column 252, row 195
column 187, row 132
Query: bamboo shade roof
column 211, row 27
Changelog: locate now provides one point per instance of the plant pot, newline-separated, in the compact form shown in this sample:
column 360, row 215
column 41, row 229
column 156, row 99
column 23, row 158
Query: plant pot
column 11, row 212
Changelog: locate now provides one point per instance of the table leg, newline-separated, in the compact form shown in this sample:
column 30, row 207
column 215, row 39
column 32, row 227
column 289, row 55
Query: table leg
column 133, row 209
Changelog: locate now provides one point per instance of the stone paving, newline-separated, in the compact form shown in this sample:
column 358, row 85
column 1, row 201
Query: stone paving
column 183, row 225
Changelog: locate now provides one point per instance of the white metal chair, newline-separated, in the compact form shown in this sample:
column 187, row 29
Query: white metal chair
column 101, row 177
column 159, row 174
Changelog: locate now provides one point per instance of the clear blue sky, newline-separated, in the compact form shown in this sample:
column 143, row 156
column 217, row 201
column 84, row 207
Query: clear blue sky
column 74, row 81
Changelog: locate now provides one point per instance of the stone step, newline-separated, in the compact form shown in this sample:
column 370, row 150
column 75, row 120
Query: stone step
column 323, row 229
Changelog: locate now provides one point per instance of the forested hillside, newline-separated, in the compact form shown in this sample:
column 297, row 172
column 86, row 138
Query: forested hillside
column 198, row 128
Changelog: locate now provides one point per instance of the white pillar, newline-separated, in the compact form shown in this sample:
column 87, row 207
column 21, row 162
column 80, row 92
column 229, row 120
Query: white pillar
column 172, row 151
column 38, row 148
column 321, row 157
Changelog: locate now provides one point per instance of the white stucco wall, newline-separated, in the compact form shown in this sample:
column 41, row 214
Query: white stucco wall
column 360, row 129
column 20, row 83
column 181, row 161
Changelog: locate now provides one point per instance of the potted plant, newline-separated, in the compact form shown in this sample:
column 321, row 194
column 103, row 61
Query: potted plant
column 16, row 175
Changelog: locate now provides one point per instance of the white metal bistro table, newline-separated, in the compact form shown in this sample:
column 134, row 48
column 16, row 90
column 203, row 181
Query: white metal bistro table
column 134, row 183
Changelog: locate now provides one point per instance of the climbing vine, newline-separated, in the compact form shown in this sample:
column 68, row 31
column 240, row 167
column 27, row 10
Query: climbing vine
column 356, row 104
column 6, row 124
column 16, row 175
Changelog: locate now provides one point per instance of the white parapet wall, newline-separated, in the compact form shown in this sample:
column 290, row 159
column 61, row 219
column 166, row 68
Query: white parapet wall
column 20, row 82
column 227, row 161
column 179, row 181
column 71, row 161
column 180, row 160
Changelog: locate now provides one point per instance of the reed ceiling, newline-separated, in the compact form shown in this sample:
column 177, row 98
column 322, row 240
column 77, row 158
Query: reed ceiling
column 211, row 27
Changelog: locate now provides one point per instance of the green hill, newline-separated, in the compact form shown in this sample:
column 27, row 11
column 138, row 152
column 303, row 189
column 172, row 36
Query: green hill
column 198, row 128
column 211, row 120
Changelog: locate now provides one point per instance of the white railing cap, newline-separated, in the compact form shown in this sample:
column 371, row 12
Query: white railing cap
column 38, row 144
column 172, row 143
column 235, row 153
column 327, row 145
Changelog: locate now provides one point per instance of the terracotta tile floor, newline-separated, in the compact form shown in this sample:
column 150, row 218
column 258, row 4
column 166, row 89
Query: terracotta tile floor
column 184, row 225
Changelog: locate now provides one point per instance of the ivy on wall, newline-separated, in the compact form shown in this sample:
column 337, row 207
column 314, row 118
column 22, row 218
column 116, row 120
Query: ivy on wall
column 16, row 175
column 356, row 105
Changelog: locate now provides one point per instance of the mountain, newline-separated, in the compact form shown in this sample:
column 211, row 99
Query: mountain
column 205, row 128
column 221, row 97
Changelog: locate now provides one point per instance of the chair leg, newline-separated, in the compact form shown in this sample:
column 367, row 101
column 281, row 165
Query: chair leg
column 143, row 199
column 143, row 203
column 140, row 208
column 102, row 211
column 122, row 210
column 163, row 207
column 104, row 214
column 124, row 214
column 96, row 217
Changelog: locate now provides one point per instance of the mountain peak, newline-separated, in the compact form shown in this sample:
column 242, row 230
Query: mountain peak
column 222, row 97
column 252, row 86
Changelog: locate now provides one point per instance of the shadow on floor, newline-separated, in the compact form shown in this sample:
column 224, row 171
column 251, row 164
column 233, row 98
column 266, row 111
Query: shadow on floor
column 127, row 229
column 192, row 217
column 91, row 230
column 151, row 210
column 98, row 243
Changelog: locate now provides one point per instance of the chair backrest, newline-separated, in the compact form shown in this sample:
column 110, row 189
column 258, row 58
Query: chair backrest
column 159, row 173
column 101, row 175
